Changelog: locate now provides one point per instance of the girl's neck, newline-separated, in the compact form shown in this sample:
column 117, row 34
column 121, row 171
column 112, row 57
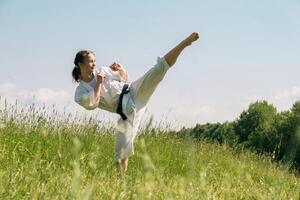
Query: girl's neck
column 88, row 78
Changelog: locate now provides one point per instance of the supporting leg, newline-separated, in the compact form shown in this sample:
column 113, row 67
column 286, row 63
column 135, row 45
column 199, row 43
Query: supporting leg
column 122, row 166
column 124, row 163
column 119, row 167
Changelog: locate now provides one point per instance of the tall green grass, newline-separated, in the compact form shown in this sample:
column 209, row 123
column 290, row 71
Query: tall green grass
column 43, row 156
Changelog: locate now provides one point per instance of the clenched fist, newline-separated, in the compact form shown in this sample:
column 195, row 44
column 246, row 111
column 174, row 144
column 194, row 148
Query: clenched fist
column 116, row 66
column 100, row 76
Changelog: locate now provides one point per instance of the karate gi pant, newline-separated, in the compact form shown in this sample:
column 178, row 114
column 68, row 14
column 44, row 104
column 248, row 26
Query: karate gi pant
column 134, row 104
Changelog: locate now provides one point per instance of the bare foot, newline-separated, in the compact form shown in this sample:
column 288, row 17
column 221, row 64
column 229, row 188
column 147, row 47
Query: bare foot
column 192, row 38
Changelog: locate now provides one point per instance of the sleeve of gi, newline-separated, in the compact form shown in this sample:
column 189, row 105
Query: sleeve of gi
column 121, row 78
column 114, row 75
column 85, row 99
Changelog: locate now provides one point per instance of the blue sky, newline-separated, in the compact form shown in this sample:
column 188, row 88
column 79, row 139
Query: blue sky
column 247, row 50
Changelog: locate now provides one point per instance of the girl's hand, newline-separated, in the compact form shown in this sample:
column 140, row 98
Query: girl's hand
column 100, row 76
column 120, row 70
column 116, row 66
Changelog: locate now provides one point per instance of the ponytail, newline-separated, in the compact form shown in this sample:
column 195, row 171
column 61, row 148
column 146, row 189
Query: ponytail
column 76, row 74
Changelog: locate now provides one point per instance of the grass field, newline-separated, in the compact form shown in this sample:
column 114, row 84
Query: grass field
column 46, row 156
column 48, row 161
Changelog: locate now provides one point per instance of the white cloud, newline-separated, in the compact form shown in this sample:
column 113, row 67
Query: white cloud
column 282, row 98
column 11, row 93
column 292, row 93
column 7, row 88
column 187, row 115
column 286, row 97
column 206, row 112
column 48, row 95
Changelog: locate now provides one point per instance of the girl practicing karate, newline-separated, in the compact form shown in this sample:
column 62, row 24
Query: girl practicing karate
column 108, row 88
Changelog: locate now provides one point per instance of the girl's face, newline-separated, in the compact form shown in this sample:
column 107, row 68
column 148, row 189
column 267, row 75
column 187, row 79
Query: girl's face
column 89, row 65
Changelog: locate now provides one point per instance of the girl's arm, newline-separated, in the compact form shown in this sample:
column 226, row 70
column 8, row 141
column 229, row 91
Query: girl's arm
column 117, row 67
column 100, row 77
column 124, row 75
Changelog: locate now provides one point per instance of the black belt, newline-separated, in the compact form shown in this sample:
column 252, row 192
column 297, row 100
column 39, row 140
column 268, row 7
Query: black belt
column 125, row 90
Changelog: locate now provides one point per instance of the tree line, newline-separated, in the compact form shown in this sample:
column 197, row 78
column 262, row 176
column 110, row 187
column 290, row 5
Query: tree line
column 260, row 128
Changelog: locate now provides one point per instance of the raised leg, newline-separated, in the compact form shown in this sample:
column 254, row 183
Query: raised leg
column 143, row 88
column 173, row 54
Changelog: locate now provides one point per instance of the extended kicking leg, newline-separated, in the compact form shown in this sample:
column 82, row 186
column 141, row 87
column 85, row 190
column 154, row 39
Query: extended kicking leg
column 144, row 87
column 173, row 54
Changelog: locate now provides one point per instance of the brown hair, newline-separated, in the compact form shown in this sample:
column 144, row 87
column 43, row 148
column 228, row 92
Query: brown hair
column 79, row 58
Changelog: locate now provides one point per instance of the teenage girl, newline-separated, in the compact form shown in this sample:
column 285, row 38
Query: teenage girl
column 108, row 88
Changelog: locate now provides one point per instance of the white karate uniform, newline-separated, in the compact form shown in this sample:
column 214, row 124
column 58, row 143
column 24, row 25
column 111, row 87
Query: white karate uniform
column 133, row 103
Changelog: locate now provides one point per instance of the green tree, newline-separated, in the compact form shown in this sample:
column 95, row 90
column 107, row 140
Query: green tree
column 255, row 126
column 292, row 150
column 228, row 133
column 284, row 130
